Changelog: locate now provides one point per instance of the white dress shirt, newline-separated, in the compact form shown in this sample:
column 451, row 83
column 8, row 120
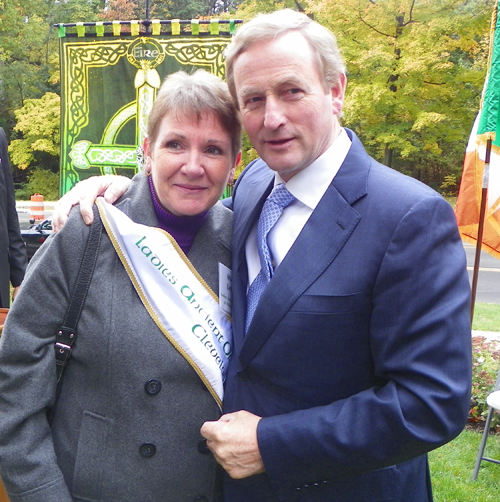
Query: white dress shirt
column 308, row 187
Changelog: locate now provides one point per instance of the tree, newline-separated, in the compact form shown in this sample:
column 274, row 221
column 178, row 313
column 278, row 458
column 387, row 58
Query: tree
column 39, row 122
column 29, row 48
column 122, row 10
column 415, row 72
column 250, row 8
column 192, row 9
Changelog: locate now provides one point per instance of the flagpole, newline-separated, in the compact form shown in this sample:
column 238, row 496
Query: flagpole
column 480, row 228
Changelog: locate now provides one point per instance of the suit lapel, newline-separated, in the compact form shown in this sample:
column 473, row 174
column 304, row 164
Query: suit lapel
column 324, row 235
column 246, row 214
column 247, row 210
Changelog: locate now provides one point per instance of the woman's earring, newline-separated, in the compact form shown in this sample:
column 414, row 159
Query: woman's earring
column 139, row 158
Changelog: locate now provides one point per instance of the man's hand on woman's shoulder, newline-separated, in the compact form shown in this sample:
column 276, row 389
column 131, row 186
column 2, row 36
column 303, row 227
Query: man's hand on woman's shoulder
column 85, row 193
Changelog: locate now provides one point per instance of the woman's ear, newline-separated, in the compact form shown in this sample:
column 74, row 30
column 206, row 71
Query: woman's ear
column 147, row 156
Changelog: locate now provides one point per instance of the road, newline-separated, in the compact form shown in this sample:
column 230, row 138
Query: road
column 23, row 213
column 488, row 284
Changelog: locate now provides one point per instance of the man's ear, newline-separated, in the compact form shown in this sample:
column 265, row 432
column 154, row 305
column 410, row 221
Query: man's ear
column 338, row 94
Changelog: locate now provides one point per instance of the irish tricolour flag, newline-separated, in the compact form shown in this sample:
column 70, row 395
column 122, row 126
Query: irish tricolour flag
column 476, row 180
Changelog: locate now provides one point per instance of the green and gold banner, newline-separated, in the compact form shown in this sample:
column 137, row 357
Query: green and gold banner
column 108, row 85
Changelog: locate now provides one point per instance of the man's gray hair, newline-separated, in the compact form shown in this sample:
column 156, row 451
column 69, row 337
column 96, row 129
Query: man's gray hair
column 323, row 43
column 192, row 95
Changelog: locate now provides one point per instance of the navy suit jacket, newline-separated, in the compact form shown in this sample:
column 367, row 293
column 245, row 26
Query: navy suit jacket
column 359, row 353
column 13, row 260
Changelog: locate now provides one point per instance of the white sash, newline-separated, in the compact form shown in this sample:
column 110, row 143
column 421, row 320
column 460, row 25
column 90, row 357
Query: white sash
column 180, row 302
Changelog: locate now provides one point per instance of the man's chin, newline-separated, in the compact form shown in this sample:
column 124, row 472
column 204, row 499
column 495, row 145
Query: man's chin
column 285, row 169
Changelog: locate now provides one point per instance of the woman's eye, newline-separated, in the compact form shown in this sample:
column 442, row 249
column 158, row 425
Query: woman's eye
column 174, row 145
column 213, row 150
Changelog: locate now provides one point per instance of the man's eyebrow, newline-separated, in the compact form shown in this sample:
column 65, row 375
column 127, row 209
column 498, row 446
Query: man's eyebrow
column 294, row 81
column 287, row 81
column 248, row 91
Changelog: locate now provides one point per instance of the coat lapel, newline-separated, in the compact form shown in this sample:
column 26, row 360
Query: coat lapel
column 212, row 243
column 246, row 213
column 247, row 210
column 326, row 232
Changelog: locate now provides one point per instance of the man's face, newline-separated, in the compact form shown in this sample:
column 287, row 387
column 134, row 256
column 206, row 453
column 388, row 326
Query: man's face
column 287, row 115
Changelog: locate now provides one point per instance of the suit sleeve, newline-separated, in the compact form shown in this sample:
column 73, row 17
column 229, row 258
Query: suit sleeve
column 421, row 348
column 17, row 250
column 28, row 463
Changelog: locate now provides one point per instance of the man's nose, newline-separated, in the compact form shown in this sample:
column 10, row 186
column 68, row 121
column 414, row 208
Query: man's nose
column 274, row 114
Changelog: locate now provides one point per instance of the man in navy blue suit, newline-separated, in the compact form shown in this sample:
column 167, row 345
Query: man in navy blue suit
column 357, row 358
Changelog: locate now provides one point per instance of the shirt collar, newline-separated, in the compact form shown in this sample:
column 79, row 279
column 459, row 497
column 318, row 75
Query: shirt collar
column 310, row 184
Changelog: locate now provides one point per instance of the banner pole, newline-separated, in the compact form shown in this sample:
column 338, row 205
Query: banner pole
column 147, row 17
column 480, row 228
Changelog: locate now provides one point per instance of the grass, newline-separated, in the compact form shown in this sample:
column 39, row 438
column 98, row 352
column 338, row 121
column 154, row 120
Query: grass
column 452, row 466
column 452, row 199
column 486, row 317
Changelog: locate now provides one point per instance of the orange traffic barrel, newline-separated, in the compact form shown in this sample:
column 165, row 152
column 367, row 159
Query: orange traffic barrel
column 37, row 212
column 3, row 494
column 3, row 316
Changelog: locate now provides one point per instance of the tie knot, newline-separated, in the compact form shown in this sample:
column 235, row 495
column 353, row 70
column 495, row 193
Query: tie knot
column 281, row 196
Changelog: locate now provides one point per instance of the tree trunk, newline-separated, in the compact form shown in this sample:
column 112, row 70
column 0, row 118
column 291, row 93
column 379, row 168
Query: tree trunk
column 388, row 156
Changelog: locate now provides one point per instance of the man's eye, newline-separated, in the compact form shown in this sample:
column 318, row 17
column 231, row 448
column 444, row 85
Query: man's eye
column 254, row 99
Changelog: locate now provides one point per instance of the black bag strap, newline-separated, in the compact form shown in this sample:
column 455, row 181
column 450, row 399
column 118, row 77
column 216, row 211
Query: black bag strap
column 67, row 334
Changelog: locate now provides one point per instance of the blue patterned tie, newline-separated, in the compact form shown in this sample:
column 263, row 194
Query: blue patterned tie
column 279, row 198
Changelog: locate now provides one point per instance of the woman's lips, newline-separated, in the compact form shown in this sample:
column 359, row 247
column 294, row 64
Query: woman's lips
column 191, row 188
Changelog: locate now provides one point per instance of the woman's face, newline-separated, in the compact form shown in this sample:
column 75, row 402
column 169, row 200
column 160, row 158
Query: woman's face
column 190, row 162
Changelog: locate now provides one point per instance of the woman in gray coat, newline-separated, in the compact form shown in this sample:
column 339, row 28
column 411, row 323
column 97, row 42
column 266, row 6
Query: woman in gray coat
column 138, row 387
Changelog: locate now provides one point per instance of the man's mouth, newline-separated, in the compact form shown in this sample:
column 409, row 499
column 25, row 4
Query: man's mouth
column 279, row 142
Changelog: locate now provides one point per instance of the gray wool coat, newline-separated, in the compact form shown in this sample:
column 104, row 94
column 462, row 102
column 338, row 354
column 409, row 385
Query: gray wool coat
column 127, row 423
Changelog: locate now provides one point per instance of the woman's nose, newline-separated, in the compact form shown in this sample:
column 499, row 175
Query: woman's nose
column 193, row 164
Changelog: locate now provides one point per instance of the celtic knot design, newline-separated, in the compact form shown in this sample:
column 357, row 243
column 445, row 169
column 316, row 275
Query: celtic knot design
column 79, row 56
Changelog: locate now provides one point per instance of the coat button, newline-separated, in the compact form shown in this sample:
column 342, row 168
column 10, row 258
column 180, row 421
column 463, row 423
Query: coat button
column 203, row 447
column 152, row 387
column 147, row 450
